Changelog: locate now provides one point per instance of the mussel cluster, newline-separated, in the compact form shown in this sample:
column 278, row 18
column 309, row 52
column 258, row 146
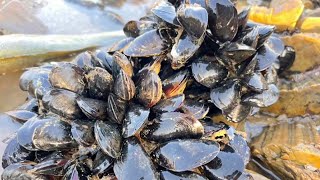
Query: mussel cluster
column 139, row 110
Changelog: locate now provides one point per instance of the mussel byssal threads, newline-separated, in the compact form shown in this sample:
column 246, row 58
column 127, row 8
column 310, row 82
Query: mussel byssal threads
column 140, row 109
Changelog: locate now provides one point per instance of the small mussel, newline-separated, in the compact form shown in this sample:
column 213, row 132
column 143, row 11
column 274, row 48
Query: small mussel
column 100, row 83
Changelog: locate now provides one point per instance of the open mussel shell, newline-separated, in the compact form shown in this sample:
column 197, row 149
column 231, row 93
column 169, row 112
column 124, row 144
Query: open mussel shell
column 167, row 175
column 207, row 71
column 116, row 108
column 68, row 76
column 15, row 153
column 193, row 18
column 166, row 12
column 170, row 104
column 134, row 120
column 100, row 83
column 21, row 115
column 63, row 103
column 21, row 170
column 137, row 28
column 184, row 49
column 172, row 125
column 226, row 94
column 121, row 62
column 192, row 154
column 227, row 165
column 53, row 134
column 149, row 88
column 108, row 137
column 83, row 132
column 146, row 45
column 134, row 162
column 198, row 109
column 255, row 82
column 124, row 87
column 223, row 19
column 94, row 109
column 264, row 99
column 265, row 57
column 101, row 163
column 176, row 83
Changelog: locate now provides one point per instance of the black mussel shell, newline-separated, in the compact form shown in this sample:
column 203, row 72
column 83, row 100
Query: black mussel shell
column 237, row 111
column 101, row 58
column 176, row 83
column 124, row 87
column 287, row 58
column 184, row 49
column 236, row 52
column 121, row 45
column 30, row 105
column 265, row 57
column 149, row 88
column 240, row 145
column 15, row 153
column 185, row 155
column 21, row 115
column 247, row 67
column 134, row 120
column 21, row 171
column 172, row 125
column 39, row 86
column 271, row 75
column 83, row 60
column 63, row 103
column 194, row 19
column 101, row 163
column 146, row 45
column 276, row 44
column 116, row 108
column 170, row 104
column 136, row 28
column 251, row 38
column 83, row 132
column 108, row 137
column 264, row 33
column 215, row 131
column 223, row 19
column 50, row 167
column 226, row 94
column 198, row 109
column 255, row 82
column 100, row 83
column 53, row 134
column 68, row 76
column 227, row 165
column 243, row 18
column 31, row 74
column 165, row 11
column 120, row 61
column 207, row 71
column 202, row 3
column 94, row 109
column 134, row 162
column 167, row 175
column 264, row 99
column 77, row 171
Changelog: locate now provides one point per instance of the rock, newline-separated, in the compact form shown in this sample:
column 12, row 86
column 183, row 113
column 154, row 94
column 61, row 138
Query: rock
column 290, row 148
column 307, row 50
column 299, row 97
